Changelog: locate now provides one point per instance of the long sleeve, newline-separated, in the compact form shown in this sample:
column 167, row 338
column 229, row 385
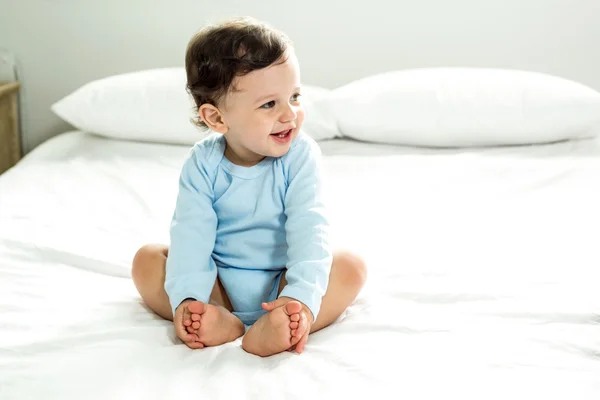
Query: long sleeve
column 190, row 270
column 307, row 229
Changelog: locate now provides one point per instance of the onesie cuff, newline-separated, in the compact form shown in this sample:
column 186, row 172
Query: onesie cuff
column 309, row 298
column 178, row 294
column 176, row 301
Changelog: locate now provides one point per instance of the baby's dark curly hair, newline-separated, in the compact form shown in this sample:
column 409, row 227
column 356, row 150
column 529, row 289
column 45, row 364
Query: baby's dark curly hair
column 219, row 53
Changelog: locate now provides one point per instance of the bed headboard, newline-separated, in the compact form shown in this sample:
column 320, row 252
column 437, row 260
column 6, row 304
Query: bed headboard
column 62, row 44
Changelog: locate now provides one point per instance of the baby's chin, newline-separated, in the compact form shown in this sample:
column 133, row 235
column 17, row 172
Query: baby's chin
column 276, row 153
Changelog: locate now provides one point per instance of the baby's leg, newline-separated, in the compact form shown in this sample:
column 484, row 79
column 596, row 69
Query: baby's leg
column 213, row 323
column 274, row 332
column 347, row 277
column 148, row 273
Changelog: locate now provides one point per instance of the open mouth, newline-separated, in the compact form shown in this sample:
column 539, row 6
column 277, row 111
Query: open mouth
column 283, row 136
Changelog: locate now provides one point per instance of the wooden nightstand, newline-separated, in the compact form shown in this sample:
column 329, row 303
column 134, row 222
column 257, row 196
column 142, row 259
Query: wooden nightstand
column 10, row 140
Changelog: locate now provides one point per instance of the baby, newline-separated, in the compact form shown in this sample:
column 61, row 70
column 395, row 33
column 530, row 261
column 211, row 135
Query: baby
column 250, row 253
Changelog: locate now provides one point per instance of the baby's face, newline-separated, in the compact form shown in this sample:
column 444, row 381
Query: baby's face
column 263, row 113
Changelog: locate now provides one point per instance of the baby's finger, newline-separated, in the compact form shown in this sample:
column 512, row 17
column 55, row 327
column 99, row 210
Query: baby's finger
column 181, row 329
column 186, row 315
column 302, row 343
column 184, row 336
column 195, row 345
column 302, row 325
column 270, row 306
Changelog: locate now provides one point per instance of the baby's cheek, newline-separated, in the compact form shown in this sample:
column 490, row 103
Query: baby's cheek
column 299, row 117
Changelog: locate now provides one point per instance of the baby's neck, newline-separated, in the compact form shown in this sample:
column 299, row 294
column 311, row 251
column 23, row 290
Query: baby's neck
column 235, row 159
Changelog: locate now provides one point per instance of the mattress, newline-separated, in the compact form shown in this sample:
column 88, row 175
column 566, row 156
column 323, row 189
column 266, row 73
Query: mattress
column 483, row 278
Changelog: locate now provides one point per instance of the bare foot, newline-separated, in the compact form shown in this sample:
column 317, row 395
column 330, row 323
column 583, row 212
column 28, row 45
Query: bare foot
column 276, row 331
column 213, row 325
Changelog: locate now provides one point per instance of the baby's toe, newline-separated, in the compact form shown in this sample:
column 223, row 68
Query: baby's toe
column 195, row 317
column 187, row 322
column 197, row 307
column 295, row 317
column 292, row 307
column 294, row 325
column 196, row 325
column 190, row 329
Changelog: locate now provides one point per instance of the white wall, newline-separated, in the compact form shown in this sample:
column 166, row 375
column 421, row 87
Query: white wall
column 61, row 44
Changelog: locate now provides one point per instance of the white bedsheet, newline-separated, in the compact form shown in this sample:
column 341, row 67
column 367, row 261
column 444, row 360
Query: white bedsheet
column 484, row 273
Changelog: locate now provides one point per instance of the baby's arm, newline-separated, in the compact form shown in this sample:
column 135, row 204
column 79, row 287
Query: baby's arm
column 307, row 228
column 190, row 269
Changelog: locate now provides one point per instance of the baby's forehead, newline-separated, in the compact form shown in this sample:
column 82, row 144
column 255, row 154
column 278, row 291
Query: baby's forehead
column 265, row 82
column 259, row 79
column 242, row 89
column 247, row 87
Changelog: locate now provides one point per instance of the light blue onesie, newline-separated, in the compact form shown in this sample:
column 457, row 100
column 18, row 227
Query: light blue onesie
column 249, row 224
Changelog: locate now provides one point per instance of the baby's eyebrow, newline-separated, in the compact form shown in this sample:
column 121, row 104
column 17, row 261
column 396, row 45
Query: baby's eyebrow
column 263, row 98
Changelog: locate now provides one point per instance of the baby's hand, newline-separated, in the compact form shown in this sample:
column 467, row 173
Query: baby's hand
column 303, row 325
column 182, row 317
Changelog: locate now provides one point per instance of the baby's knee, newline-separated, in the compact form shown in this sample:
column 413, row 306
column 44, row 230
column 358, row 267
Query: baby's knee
column 148, row 257
column 352, row 267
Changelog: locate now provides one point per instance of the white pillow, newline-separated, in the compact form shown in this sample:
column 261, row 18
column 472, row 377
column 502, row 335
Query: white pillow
column 319, row 122
column 153, row 106
column 453, row 107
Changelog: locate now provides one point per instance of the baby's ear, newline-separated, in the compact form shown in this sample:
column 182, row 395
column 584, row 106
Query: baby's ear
column 212, row 117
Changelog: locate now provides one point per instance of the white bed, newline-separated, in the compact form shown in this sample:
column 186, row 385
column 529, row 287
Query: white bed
column 483, row 278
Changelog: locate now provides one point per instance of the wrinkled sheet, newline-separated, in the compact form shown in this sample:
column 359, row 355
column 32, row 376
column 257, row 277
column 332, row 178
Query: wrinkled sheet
column 484, row 268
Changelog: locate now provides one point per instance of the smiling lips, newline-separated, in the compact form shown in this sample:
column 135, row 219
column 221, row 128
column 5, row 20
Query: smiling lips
column 283, row 136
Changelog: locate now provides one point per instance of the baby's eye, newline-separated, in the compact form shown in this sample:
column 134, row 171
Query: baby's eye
column 270, row 104
column 296, row 96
